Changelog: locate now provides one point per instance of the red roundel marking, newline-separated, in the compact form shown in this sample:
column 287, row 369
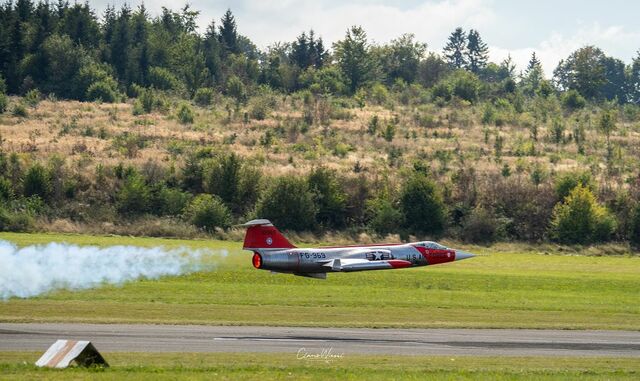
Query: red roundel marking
column 257, row 260
column 398, row 264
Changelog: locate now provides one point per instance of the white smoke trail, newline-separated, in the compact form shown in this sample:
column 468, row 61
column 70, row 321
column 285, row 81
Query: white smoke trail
column 35, row 270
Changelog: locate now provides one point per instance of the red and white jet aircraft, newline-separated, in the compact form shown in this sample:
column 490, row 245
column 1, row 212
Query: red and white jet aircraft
column 272, row 251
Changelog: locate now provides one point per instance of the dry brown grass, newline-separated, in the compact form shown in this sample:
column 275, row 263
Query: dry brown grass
column 72, row 129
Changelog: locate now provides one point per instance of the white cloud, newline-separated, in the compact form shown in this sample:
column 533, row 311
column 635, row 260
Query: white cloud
column 615, row 41
column 270, row 21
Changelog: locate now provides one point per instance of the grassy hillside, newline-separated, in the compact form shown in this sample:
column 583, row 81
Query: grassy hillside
column 498, row 289
column 341, row 135
column 108, row 168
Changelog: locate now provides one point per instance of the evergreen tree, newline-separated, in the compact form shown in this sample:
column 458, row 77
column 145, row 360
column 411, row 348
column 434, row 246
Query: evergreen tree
column 211, row 50
column 300, row 51
column 354, row 58
column 477, row 52
column 533, row 75
column 455, row 50
column 228, row 34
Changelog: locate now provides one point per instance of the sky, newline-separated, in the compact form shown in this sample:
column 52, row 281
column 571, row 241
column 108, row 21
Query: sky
column 553, row 29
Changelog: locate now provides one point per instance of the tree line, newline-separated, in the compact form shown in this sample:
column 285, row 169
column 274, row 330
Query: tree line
column 214, row 190
column 69, row 51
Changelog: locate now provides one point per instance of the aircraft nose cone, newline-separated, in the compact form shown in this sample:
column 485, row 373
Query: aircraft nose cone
column 460, row 255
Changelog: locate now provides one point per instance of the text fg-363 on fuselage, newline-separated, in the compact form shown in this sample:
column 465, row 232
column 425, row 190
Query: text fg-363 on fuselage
column 272, row 251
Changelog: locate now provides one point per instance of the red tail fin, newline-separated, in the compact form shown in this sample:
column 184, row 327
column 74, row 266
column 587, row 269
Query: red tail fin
column 261, row 234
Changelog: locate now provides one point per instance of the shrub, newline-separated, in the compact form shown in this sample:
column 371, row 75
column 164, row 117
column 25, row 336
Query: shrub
column 170, row 201
column 465, row 85
column 6, row 190
column 204, row 96
column 385, row 217
column 146, row 101
column 329, row 196
column 379, row 94
column 208, row 212
column 634, row 234
column 236, row 89
column 573, row 100
column 480, row 227
column 103, row 91
column 441, row 90
column 162, row 79
column 223, row 178
column 32, row 97
column 37, row 182
column 422, row 205
column 134, row 197
column 289, row 204
column 260, row 107
column 566, row 182
column 15, row 222
column 4, row 101
column 580, row 219
column 185, row 113
column 19, row 110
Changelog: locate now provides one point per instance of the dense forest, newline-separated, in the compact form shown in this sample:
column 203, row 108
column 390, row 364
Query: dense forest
column 356, row 137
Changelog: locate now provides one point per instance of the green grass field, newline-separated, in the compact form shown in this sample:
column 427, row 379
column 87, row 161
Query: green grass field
column 253, row 366
column 494, row 290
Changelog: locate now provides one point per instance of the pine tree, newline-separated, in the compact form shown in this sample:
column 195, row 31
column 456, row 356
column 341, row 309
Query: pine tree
column 533, row 75
column 300, row 51
column 353, row 55
column 228, row 34
column 212, row 50
column 477, row 52
column 455, row 50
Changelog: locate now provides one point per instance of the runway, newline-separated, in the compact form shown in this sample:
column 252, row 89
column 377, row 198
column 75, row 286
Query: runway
column 339, row 341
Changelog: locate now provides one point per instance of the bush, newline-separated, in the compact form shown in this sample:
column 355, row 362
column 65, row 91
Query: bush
column 566, row 182
column 480, row 227
column 170, row 202
column 6, row 190
column 204, row 96
column 162, row 79
column 379, row 94
column 329, row 196
column 32, row 97
column 37, row 182
column 441, row 90
column 4, row 101
column 185, row 113
column 385, row 217
column 422, row 205
column 236, row 89
column 260, row 107
column 15, row 222
column 465, row 85
column 19, row 110
column 573, row 100
column 103, row 91
column 146, row 101
column 289, row 204
column 223, row 179
column 580, row 219
column 134, row 197
column 634, row 234
column 208, row 212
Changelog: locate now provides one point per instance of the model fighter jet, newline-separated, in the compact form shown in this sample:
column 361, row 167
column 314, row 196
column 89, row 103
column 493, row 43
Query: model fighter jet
column 272, row 251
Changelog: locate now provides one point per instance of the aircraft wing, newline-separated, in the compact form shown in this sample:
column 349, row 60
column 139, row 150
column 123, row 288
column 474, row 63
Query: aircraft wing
column 347, row 264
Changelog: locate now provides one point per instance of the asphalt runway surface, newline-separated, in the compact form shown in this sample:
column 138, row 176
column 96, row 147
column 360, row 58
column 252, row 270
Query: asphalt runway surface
column 339, row 341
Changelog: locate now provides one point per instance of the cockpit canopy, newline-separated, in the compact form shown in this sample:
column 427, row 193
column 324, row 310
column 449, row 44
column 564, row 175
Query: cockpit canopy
column 433, row 245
